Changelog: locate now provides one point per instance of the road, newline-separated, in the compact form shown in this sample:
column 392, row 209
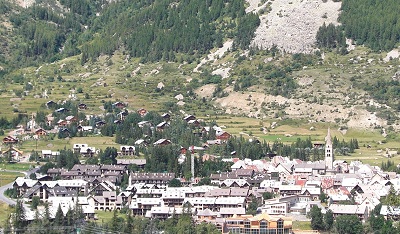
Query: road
column 3, row 188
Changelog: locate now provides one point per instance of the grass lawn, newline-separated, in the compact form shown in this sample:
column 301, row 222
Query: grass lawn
column 4, row 214
column 369, row 156
column 302, row 225
column 99, row 142
column 106, row 216
column 17, row 166
column 8, row 177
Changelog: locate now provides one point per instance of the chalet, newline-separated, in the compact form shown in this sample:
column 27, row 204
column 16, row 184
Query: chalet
column 313, row 192
column 77, row 147
column 55, row 172
column 309, row 168
column 142, row 112
column 239, row 183
column 113, row 168
column 206, row 215
column 212, row 142
column 126, row 150
column 230, row 202
column 159, row 179
column 140, row 206
column 166, row 116
column 162, row 142
column 223, row 136
column 41, row 132
column 141, row 142
column 87, row 151
column 49, row 119
column 51, row 104
column 189, row 117
column 71, row 119
column 122, row 115
column 10, row 140
column 48, row 154
column 85, row 128
column 119, row 105
column 163, row 212
column 139, row 162
column 200, row 203
column 194, row 122
column 108, row 201
column 61, row 110
column 360, row 210
column 144, row 123
column 161, row 126
column 62, row 123
column 82, row 106
column 21, row 185
column 289, row 189
column 13, row 152
column 100, row 123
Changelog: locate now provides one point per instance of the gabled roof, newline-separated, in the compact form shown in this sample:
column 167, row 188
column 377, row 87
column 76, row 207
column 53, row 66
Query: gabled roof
column 21, row 181
column 232, row 211
column 207, row 213
column 162, row 141
column 348, row 209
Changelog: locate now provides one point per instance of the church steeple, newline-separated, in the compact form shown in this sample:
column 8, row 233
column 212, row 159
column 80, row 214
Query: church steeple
column 328, row 151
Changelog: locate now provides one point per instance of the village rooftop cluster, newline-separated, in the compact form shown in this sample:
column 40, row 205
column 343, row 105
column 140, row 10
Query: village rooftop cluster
column 294, row 186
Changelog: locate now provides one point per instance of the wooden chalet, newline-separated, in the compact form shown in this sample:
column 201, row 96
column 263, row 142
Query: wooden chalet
column 119, row 105
column 142, row 112
column 10, row 140
column 41, row 132
column 82, row 106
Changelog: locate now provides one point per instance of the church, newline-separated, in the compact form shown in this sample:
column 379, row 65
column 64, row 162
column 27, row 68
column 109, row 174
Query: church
column 329, row 152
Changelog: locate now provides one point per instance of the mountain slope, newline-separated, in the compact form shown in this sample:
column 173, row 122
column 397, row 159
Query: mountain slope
column 148, row 52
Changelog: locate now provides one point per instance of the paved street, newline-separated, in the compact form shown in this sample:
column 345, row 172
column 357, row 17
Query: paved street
column 7, row 186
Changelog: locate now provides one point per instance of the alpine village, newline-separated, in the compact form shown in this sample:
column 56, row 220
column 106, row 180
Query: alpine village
column 197, row 117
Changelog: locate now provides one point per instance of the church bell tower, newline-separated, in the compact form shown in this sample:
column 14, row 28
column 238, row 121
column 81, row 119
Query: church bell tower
column 328, row 151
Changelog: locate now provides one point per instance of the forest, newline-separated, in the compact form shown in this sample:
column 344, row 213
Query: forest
column 373, row 23
column 368, row 22
column 153, row 30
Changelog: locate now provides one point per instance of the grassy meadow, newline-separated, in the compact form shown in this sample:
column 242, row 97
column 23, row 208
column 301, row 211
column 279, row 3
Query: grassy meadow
column 8, row 177
column 5, row 213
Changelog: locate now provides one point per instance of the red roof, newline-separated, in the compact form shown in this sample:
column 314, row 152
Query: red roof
column 301, row 182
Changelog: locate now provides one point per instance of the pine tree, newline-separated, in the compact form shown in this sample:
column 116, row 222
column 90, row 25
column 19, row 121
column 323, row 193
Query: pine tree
column 19, row 216
column 114, row 221
column 59, row 218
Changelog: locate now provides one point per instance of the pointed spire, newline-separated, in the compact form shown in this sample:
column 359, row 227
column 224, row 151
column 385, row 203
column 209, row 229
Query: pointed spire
column 328, row 138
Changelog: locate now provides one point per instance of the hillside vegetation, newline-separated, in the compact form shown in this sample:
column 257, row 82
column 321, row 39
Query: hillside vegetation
column 146, row 53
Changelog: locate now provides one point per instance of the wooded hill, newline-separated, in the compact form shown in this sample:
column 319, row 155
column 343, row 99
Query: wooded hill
column 166, row 29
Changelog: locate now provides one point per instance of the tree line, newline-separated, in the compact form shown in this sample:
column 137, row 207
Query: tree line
column 368, row 22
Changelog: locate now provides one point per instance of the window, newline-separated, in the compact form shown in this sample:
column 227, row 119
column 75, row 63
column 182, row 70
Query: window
column 280, row 226
column 247, row 224
column 263, row 227
column 247, row 227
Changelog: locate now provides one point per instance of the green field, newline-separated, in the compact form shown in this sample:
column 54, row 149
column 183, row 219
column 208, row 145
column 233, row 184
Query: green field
column 16, row 166
column 5, row 213
column 8, row 177
column 302, row 225
column 106, row 216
